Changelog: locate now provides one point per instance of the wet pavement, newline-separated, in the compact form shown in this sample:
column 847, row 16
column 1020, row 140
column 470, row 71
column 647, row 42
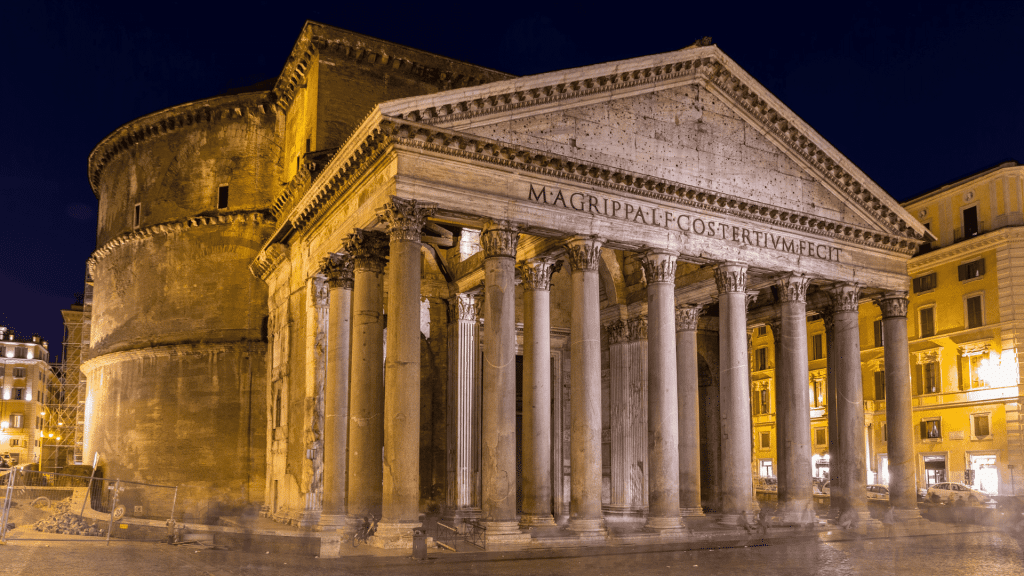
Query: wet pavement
column 982, row 553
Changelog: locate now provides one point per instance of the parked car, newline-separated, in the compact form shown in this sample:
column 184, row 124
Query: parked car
column 878, row 492
column 950, row 492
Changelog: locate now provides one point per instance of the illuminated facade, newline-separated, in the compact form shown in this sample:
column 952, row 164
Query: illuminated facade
column 965, row 320
column 25, row 376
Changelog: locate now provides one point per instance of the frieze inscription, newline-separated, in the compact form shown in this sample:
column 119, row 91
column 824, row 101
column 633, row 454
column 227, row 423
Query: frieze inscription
column 655, row 216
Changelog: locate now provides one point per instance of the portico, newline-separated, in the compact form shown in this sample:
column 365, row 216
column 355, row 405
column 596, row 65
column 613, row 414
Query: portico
column 634, row 204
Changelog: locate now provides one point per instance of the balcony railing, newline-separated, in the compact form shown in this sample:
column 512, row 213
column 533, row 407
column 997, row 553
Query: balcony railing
column 959, row 235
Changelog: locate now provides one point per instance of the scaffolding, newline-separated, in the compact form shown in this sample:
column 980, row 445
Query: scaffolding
column 64, row 422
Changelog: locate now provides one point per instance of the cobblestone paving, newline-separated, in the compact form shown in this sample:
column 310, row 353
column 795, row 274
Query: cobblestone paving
column 978, row 553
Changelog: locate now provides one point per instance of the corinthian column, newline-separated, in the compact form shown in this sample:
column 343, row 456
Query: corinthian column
column 793, row 410
column 585, row 515
column 404, row 220
column 737, row 482
column 662, row 393
column 498, row 434
column 834, row 449
column 689, row 410
column 850, row 400
column 463, row 408
column 339, row 271
column 366, row 401
column 536, row 274
column 899, row 406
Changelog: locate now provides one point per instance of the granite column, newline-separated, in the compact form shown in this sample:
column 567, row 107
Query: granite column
column 793, row 409
column 850, row 400
column 689, row 410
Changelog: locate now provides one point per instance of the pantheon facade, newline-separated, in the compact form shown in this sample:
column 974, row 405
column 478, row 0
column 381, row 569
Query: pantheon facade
column 397, row 284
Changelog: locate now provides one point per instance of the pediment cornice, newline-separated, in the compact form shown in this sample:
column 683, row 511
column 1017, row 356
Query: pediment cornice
column 708, row 66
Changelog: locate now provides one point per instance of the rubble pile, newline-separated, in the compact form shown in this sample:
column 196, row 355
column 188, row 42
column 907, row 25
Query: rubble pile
column 64, row 521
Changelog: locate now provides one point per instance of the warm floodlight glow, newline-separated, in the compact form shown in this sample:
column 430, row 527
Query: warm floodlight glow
column 51, row 434
column 4, row 425
column 999, row 371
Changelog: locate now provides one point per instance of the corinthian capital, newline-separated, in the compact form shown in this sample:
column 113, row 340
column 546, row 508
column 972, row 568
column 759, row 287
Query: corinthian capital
column 893, row 305
column 584, row 253
column 465, row 307
column 338, row 270
column 537, row 272
column 499, row 239
column 845, row 297
column 404, row 218
column 793, row 288
column 686, row 316
column 369, row 249
column 731, row 277
column 659, row 266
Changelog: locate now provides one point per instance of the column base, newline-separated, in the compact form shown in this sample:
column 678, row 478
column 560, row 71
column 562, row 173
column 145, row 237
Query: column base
column 532, row 520
column 797, row 513
column 588, row 527
column 619, row 514
column 394, row 535
column 691, row 512
column 455, row 517
column 665, row 525
column 505, row 534
column 330, row 522
column 740, row 519
column 906, row 515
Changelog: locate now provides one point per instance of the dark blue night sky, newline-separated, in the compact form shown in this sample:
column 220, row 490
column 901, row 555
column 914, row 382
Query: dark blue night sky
column 916, row 95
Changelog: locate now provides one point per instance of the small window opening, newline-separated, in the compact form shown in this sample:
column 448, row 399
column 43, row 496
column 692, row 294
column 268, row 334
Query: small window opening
column 222, row 197
column 138, row 215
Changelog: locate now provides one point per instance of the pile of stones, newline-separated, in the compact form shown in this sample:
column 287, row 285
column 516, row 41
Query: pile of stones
column 64, row 521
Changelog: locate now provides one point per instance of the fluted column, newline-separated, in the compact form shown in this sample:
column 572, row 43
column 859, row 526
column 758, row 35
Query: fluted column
column 781, row 395
column 688, row 396
column 366, row 397
column 463, row 414
column 498, row 435
column 899, row 406
column 404, row 220
column 585, row 515
column 737, row 482
column 627, row 351
column 536, row 274
column 850, row 399
column 339, row 271
column 662, row 393
column 793, row 407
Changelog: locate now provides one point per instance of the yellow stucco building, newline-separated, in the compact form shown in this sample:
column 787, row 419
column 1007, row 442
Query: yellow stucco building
column 965, row 318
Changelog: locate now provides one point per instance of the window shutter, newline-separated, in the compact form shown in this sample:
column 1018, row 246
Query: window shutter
column 961, row 272
column 924, row 430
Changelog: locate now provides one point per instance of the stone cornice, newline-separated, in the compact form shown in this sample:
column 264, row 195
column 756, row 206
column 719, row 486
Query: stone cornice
column 708, row 66
column 257, row 218
column 960, row 250
column 171, row 350
column 171, row 119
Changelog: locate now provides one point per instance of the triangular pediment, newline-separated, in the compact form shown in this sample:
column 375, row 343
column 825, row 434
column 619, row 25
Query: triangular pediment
column 691, row 118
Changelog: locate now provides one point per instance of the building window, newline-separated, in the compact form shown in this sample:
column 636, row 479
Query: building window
column 277, row 410
column 879, row 339
column 15, row 442
column 819, row 436
column 817, row 350
column 766, row 469
column 931, row 429
column 762, row 330
column 927, row 319
column 17, row 421
column 20, row 352
column 980, row 426
column 973, row 368
column 19, row 372
column 766, row 440
column 970, row 270
column 19, row 394
column 925, row 283
column 222, row 197
column 974, row 311
column 970, row 222
column 761, row 402
column 929, row 383
column 880, row 385
column 885, row 432
column 761, row 359
column 817, row 393
column 138, row 216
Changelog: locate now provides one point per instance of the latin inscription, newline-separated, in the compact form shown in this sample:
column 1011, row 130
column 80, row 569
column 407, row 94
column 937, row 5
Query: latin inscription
column 655, row 216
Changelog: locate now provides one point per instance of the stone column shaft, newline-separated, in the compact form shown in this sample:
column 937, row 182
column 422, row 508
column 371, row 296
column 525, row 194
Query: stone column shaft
column 627, row 350
column 793, row 408
column 850, row 399
column 585, row 516
column 662, row 393
column 834, row 449
column 737, row 481
column 537, row 495
column 899, row 406
column 400, row 514
column 689, row 410
column 339, row 271
column 366, row 399
column 463, row 415
column 498, row 435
